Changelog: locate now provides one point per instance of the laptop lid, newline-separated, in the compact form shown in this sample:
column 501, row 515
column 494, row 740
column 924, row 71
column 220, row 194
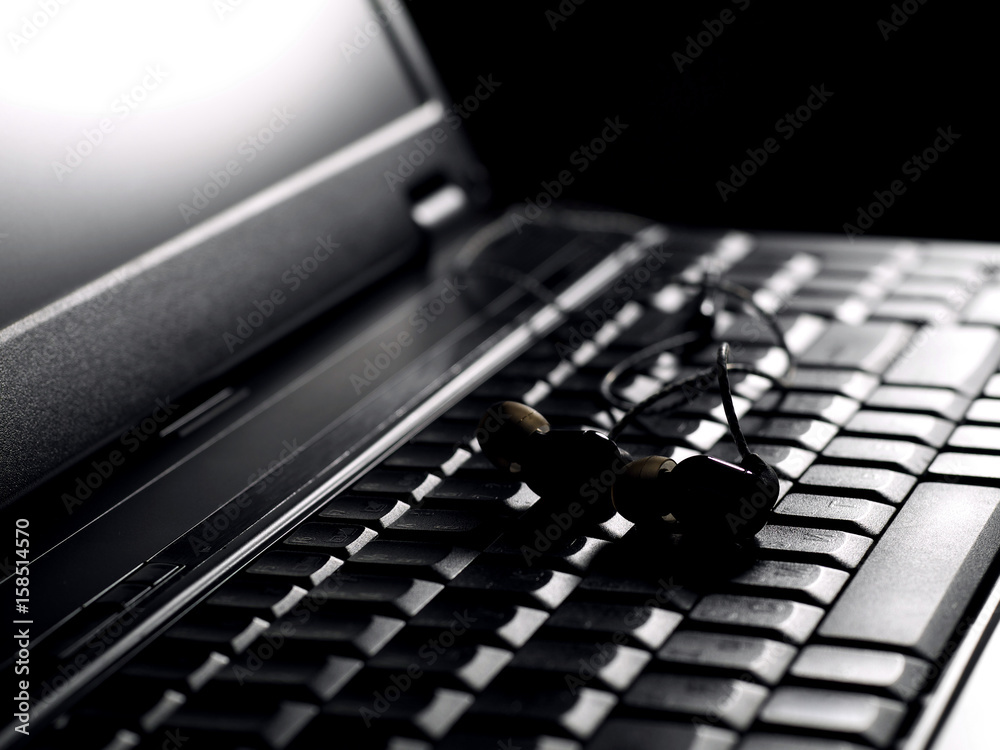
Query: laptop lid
column 186, row 183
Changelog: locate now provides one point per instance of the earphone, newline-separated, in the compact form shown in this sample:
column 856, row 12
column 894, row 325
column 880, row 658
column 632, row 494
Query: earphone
column 710, row 499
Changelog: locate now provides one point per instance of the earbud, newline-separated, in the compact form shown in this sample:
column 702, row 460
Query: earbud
column 519, row 441
column 709, row 498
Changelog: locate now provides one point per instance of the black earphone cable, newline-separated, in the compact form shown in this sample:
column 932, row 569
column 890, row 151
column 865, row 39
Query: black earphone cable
column 722, row 366
column 727, row 401
column 466, row 263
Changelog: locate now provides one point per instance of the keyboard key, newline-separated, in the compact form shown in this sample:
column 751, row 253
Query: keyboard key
column 478, row 468
column 699, row 434
column 632, row 589
column 303, row 568
column 765, row 659
column 869, row 347
column 843, row 306
column 765, row 741
column 733, row 702
column 800, row 331
column 877, row 484
column 426, row 715
column 504, row 625
column 849, row 513
column 984, row 410
column 985, row 308
column 162, row 712
column 651, row 328
column 572, row 410
column 432, row 562
column 459, row 740
column 771, row 360
column 545, row 350
column 544, row 589
column 583, row 381
column 862, row 717
column 826, row 406
column 392, row 596
column 374, row 512
column 612, row 528
column 575, row 556
column 538, row 391
column 347, row 633
column 606, row 666
column 235, row 725
column 787, row 461
column 137, row 703
column 966, row 466
column 468, row 667
column 230, row 633
column 440, row 458
column 850, row 383
column 313, row 679
column 913, row 588
column 408, row 486
column 897, row 675
column 815, row 584
column 644, row 626
column 544, row 709
column 922, row 287
column 448, row 432
column 175, row 666
column 638, row 734
column 530, row 369
column 748, row 384
column 918, row 427
column 810, row 434
column 708, row 406
column 935, row 401
column 336, row 539
column 444, row 527
column 787, row 620
column 270, row 601
column 896, row 455
column 972, row 437
column 945, row 265
column 574, row 352
column 123, row 740
column 478, row 496
column 859, row 284
column 877, row 261
column 915, row 310
column 958, row 357
column 825, row 546
column 992, row 389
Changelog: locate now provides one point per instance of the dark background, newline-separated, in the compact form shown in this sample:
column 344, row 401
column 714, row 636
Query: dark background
column 686, row 129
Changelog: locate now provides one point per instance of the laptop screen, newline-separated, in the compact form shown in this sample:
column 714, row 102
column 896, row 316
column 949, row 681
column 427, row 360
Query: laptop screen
column 122, row 124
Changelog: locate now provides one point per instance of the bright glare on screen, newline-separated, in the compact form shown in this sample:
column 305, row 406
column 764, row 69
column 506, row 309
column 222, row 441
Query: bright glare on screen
column 124, row 123
column 76, row 57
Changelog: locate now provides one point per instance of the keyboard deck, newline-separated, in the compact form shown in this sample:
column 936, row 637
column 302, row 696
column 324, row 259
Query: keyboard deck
column 436, row 603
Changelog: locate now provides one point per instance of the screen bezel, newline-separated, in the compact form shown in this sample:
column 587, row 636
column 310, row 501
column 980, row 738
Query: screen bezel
column 79, row 370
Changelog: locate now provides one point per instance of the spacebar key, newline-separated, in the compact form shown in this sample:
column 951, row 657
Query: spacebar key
column 958, row 357
column 915, row 585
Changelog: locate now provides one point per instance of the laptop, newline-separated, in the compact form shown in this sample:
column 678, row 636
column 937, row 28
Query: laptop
column 254, row 302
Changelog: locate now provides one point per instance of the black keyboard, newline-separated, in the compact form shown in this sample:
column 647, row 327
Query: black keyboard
column 437, row 603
